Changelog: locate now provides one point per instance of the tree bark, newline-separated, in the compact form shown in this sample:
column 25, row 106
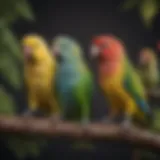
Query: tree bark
column 154, row 93
column 46, row 127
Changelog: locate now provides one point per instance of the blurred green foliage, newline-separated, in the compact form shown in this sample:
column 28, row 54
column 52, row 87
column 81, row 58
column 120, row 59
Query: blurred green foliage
column 156, row 124
column 10, row 57
column 6, row 101
column 10, row 11
column 148, row 9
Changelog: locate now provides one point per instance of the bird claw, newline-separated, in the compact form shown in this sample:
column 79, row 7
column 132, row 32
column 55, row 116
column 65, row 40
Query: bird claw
column 126, row 123
column 56, row 118
column 85, row 122
column 107, row 120
column 27, row 113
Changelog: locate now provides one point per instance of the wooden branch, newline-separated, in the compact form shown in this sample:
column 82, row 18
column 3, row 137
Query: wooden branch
column 154, row 93
column 48, row 128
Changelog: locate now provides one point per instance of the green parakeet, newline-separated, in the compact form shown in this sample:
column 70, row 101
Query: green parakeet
column 74, row 82
column 148, row 68
column 149, row 72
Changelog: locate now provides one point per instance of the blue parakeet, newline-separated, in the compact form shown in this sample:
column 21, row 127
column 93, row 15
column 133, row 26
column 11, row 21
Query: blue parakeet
column 74, row 81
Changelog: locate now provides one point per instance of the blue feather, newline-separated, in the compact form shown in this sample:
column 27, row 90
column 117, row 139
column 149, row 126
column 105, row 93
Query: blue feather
column 69, row 77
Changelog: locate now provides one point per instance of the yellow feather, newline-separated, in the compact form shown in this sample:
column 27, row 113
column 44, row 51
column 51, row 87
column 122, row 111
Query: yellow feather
column 39, row 77
column 118, row 97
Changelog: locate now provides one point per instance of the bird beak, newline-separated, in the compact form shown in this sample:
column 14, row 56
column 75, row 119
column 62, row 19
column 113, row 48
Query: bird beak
column 55, row 50
column 56, row 53
column 94, row 51
column 27, row 51
column 144, row 59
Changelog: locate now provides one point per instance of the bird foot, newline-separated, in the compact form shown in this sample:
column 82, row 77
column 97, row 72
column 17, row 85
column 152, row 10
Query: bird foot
column 107, row 120
column 56, row 118
column 85, row 122
column 126, row 123
column 27, row 113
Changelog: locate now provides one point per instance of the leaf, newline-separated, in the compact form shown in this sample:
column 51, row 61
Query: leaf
column 14, row 144
column 11, row 10
column 23, row 145
column 148, row 10
column 156, row 121
column 24, row 10
column 9, row 42
column 129, row 4
column 7, row 8
column 7, row 106
column 10, row 53
column 10, row 72
column 82, row 145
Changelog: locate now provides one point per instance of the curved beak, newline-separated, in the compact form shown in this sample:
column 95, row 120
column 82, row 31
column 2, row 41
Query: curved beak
column 94, row 51
column 144, row 59
column 56, row 52
column 27, row 51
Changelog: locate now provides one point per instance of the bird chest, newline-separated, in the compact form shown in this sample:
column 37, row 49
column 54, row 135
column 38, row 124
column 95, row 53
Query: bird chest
column 110, row 85
column 38, row 76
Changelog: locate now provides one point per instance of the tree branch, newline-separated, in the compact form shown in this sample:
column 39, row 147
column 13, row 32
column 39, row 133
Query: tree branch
column 154, row 93
column 48, row 128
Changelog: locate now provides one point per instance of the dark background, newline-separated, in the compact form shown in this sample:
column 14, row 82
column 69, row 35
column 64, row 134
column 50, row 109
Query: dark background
column 82, row 20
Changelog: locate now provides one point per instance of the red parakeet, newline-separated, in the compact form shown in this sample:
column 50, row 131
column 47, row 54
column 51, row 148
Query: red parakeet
column 119, row 80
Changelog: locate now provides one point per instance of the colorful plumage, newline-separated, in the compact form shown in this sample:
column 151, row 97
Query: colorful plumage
column 148, row 68
column 39, row 75
column 74, row 81
column 119, row 81
column 149, row 73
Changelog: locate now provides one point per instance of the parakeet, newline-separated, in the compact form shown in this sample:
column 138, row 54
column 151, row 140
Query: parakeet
column 74, row 84
column 39, row 75
column 149, row 73
column 74, row 81
column 119, row 81
column 148, row 68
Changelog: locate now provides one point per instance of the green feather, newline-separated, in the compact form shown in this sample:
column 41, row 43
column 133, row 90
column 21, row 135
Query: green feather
column 135, row 88
column 74, row 81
